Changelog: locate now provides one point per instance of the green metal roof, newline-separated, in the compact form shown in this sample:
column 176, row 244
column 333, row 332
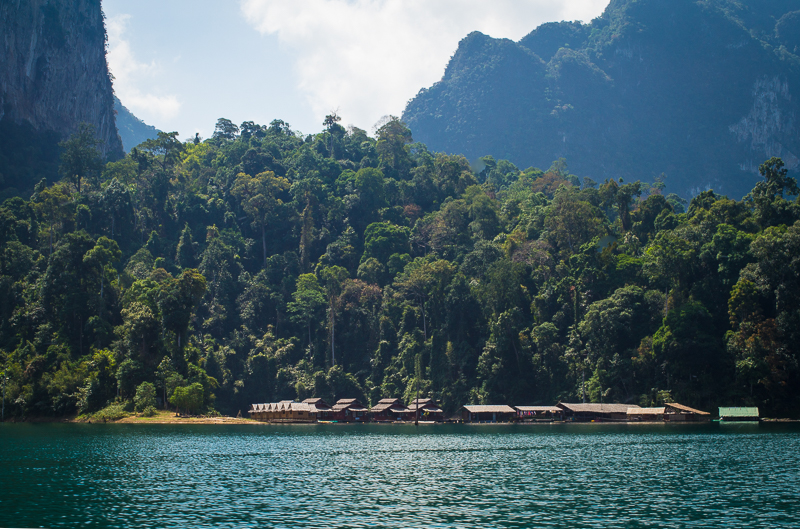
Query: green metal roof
column 738, row 412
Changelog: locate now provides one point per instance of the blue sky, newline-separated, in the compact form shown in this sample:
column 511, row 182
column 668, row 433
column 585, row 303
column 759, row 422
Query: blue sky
column 181, row 64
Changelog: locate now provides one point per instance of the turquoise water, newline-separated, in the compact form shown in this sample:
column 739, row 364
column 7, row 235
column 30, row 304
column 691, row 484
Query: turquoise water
column 58, row 475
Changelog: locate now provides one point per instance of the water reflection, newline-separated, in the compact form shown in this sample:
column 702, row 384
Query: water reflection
column 394, row 476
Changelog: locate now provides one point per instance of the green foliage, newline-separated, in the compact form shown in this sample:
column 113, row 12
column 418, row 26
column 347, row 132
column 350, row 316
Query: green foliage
column 110, row 413
column 145, row 397
column 80, row 157
column 345, row 268
column 189, row 398
column 383, row 239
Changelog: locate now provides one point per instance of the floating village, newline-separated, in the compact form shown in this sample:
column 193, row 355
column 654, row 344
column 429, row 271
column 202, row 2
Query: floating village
column 316, row 410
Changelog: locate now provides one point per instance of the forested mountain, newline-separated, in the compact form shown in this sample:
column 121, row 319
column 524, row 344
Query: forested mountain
column 260, row 265
column 132, row 130
column 697, row 91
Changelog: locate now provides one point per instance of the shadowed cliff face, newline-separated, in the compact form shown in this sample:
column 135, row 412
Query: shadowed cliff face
column 53, row 71
column 702, row 91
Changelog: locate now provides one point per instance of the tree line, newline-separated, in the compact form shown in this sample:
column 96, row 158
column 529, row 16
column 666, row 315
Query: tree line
column 261, row 264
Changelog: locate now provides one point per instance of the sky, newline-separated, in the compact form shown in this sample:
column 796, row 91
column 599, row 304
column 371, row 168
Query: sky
column 179, row 65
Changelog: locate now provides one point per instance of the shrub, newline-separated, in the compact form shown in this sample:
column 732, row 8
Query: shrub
column 113, row 412
column 145, row 396
column 188, row 398
column 149, row 411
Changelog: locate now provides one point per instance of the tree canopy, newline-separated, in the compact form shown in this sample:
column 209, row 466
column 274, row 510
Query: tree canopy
column 261, row 265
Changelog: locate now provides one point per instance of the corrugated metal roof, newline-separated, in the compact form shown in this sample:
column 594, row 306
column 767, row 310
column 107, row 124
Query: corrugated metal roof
column 738, row 412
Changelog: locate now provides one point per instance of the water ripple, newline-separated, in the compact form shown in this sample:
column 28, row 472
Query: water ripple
column 581, row 476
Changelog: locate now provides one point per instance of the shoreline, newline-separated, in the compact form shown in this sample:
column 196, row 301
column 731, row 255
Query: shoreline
column 168, row 417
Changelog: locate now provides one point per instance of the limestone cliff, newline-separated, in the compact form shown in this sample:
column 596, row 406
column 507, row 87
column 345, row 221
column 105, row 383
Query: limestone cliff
column 53, row 70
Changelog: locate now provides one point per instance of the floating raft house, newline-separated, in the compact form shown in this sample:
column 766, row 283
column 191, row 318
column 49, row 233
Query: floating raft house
column 595, row 411
column 739, row 414
column 487, row 413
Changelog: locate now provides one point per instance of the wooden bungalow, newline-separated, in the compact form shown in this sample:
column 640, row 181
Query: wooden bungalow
column 749, row 414
column 319, row 409
column 487, row 413
column 349, row 410
column 679, row 413
column 595, row 411
column 284, row 411
column 539, row 413
column 296, row 412
column 258, row 412
column 388, row 410
column 425, row 410
column 647, row 414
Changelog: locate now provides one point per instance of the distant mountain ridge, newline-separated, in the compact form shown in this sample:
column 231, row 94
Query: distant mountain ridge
column 132, row 130
column 702, row 91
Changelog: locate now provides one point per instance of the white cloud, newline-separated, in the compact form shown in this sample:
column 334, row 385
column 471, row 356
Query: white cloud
column 369, row 57
column 130, row 74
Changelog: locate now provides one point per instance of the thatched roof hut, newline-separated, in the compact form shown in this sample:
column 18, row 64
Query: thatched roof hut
column 646, row 414
column 596, row 411
column 388, row 410
column 429, row 410
column 349, row 410
column 534, row 413
column 488, row 413
column 678, row 412
column 283, row 411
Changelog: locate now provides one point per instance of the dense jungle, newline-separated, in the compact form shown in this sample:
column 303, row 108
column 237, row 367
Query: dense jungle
column 261, row 264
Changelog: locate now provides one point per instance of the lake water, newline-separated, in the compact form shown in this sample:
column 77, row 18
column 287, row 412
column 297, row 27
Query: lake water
column 59, row 475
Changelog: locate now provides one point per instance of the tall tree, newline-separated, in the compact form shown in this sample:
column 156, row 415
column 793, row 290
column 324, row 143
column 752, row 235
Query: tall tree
column 260, row 199
column 333, row 278
column 308, row 298
column 80, row 157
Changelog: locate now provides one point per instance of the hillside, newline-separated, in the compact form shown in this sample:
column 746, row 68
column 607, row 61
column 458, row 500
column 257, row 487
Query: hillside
column 700, row 91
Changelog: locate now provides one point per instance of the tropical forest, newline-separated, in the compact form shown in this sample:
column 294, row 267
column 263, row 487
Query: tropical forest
column 262, row 264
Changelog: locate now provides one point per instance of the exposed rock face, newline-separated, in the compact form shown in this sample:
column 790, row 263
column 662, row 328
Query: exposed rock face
column 769, row 124
column 53, row 70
